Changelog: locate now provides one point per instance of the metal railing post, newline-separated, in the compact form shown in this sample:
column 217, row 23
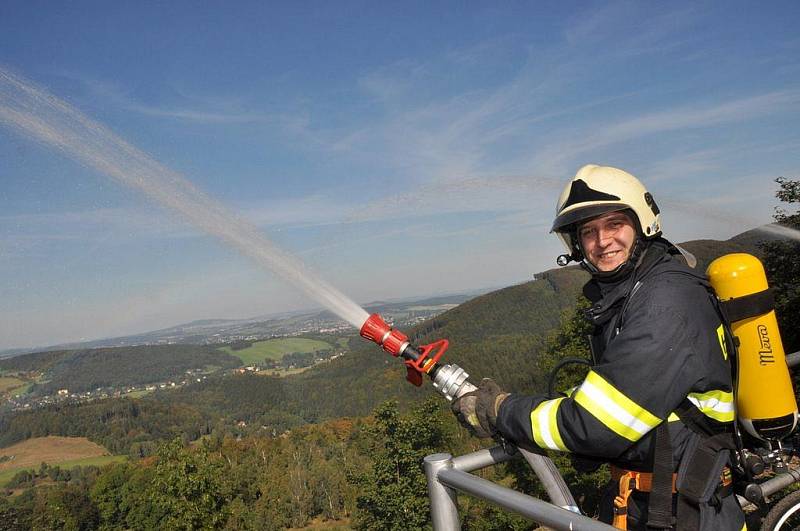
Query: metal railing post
column 552, row 481
column 444, row 499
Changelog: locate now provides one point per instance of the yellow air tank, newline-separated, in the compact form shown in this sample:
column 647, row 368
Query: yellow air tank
column 765, row 400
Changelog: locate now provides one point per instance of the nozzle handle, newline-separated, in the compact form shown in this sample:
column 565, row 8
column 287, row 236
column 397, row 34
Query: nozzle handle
column 425, row 359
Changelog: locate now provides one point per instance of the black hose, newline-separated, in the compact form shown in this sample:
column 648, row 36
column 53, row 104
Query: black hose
column 551, row 379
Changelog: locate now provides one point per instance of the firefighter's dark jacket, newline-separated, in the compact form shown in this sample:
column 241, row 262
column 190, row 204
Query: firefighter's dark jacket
column 659, row 343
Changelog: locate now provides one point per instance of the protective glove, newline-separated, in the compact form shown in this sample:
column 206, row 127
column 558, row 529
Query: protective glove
column 477, row 410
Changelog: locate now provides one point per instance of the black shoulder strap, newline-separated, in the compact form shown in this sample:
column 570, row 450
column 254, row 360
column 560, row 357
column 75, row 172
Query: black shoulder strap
column 748, row 306
column 755, row 305
column 659, row 507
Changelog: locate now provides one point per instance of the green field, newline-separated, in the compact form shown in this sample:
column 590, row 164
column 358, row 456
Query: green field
column 6, row 475
column 431, row 308
column 138, row 394
column 275, row 349
column 9, row 383
column 22, row 390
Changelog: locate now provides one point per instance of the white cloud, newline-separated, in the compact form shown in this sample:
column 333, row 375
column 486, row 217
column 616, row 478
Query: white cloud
column 626, row 29
column 215, row 110
column 675, row 118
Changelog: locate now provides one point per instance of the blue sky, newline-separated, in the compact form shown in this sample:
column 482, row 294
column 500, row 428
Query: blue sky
column 398, row 149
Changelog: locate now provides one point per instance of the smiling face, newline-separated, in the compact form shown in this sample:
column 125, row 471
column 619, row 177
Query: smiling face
column 607, row 240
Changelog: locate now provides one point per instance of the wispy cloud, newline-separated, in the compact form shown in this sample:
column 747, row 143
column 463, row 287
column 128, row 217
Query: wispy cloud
column 445, row 144
column 628, row 29
column 219, row 111
column 195, row 115
column 126, row 222
column 675, row 118
column 495, row 194
column 461, row 151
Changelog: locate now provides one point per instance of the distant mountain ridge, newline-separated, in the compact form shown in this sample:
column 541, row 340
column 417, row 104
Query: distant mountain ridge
column 201, row 331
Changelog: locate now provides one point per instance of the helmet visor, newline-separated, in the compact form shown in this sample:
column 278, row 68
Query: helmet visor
column 567, row 219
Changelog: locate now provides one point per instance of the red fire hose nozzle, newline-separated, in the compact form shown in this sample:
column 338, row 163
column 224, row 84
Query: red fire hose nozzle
column 418, row 360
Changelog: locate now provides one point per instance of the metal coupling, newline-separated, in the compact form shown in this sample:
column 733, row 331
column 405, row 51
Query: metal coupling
column 451, row 381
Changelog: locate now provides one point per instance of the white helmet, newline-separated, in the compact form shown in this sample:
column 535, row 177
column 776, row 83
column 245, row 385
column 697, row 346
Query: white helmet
column 596, row 190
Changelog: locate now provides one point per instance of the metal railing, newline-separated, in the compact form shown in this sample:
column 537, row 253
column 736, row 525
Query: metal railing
column 447, row 475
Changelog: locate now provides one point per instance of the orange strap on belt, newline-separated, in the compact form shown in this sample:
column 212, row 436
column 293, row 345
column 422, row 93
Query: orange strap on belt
column 621, row 501
column 630, row 480
column 642, row 481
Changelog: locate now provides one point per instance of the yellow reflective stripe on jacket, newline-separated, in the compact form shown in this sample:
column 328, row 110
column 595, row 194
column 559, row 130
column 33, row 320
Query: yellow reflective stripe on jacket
column 616, row 411
column 717, row 405
column 544, row 425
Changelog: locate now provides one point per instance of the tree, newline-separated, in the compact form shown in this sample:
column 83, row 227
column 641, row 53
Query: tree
column 188, row 487
column 392, row 493
column 61, row 506
column 782, row 264
column 10, row 517
column 107, row 494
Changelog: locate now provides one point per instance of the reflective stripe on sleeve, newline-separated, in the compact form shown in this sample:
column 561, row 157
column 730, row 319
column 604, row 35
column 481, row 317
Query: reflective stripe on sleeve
column 717, row 405
column 544, row 425
column 616, row 411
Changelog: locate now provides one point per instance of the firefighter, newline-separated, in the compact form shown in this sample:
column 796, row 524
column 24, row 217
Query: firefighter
column 657, row 403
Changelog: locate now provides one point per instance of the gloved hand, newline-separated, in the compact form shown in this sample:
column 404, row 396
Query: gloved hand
column 477, row 410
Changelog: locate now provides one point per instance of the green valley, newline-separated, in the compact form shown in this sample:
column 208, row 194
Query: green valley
column 275, row 349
